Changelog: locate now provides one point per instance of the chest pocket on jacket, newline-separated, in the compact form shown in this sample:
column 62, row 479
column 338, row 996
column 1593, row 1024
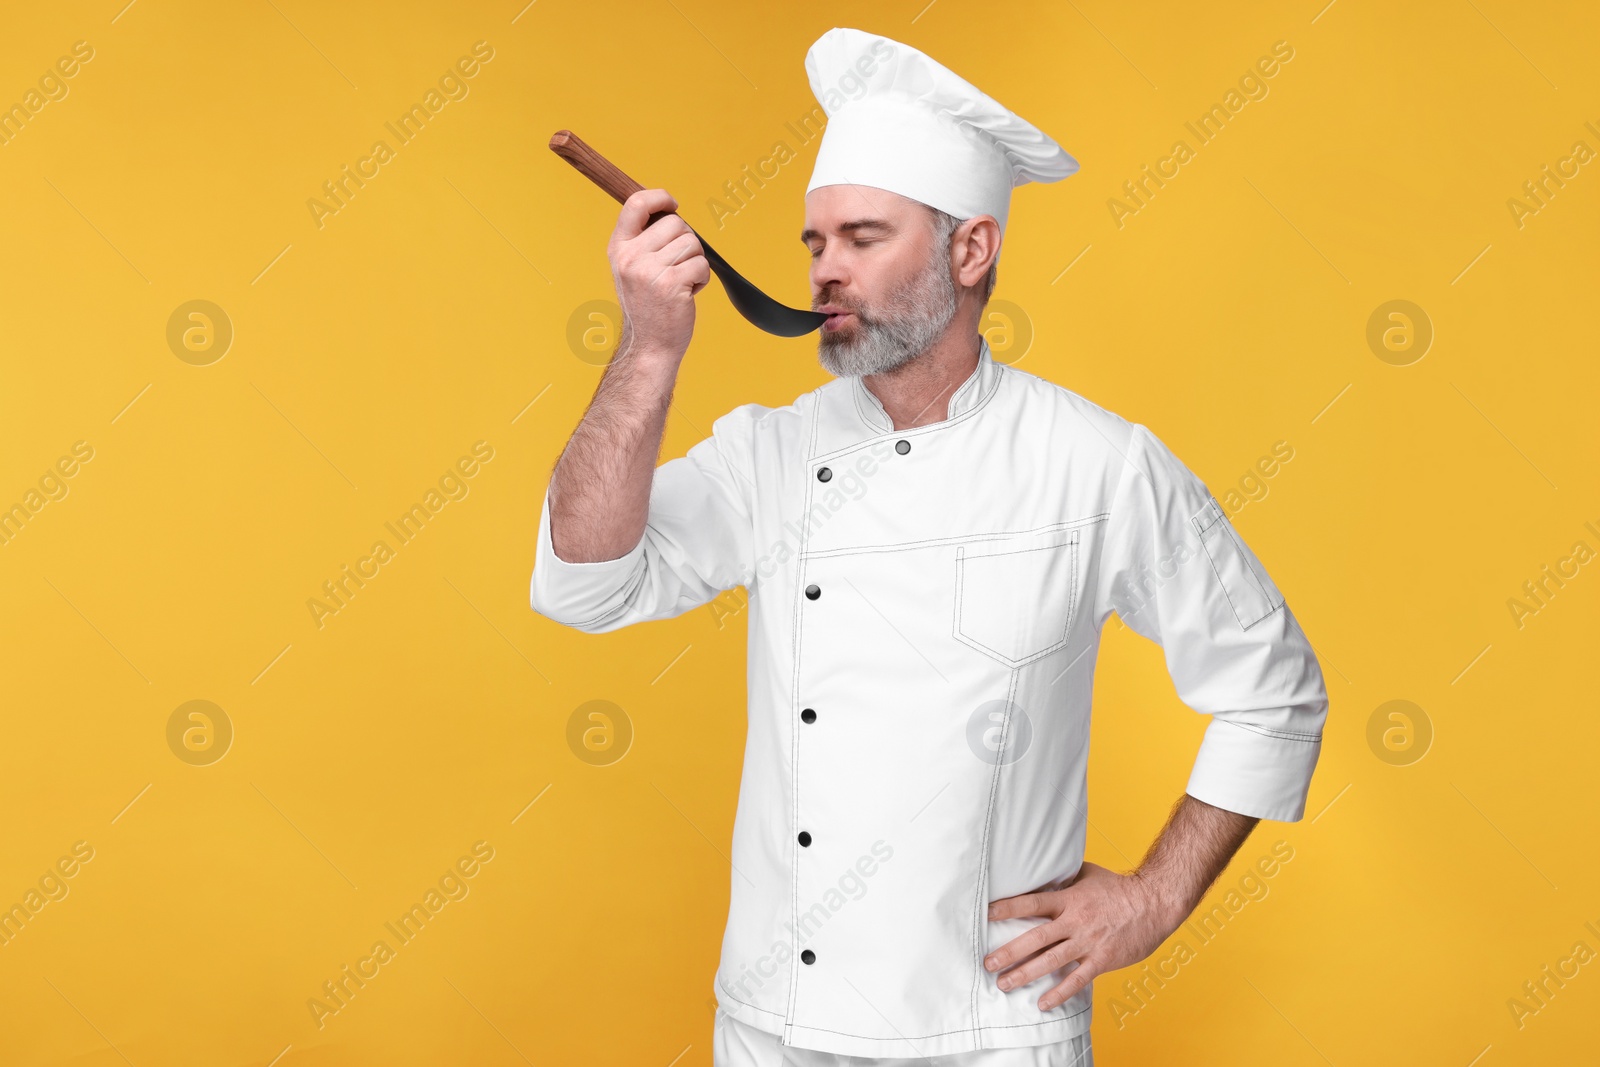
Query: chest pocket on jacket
column 1016, row 595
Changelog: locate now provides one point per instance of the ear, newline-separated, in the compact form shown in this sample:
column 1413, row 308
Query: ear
column 973, row 248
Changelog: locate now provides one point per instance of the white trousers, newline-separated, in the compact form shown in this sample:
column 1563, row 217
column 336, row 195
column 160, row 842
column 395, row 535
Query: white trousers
column 738, row 1044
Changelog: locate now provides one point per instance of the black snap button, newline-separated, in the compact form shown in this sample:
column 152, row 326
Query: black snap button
column 808, row 956
column 902, row 447
column 812, row 592
column 823, row 474
column 805, row 839
column 808, row 715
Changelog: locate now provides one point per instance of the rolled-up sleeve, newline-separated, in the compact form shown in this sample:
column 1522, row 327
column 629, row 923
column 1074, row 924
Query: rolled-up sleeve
column 1176, row 571
column 697, row 541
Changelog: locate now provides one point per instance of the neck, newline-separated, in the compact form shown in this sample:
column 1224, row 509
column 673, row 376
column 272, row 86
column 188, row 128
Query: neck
column 918, row 391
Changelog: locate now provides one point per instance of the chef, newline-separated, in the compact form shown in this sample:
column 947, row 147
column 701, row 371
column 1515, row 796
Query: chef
column 932, row 542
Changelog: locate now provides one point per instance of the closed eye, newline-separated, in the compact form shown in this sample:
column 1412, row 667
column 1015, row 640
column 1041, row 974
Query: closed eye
column 858, row 242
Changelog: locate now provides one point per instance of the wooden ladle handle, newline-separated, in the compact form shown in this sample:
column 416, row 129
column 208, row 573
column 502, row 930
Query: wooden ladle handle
column 592, row 165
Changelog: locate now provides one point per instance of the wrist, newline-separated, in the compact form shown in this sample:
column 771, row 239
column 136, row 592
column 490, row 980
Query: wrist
column 651, row 368
column 661, row 353
column 1163, row 899
column 648, row 352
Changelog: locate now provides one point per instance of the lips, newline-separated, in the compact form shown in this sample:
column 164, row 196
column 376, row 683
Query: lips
column 836, row 316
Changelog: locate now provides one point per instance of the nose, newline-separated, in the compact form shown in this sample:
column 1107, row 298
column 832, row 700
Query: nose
column 827, row 271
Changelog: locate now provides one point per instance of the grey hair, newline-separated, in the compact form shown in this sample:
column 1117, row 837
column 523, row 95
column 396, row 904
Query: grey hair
column 944, row 228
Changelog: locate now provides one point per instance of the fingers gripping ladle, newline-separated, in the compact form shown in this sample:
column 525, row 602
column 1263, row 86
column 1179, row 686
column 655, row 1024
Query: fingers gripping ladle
column 763, row 311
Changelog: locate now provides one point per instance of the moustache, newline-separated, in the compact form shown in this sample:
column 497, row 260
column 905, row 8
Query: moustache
column 825, row 297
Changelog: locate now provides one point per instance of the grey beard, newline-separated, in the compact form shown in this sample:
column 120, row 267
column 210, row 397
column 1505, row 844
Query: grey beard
column 911, row 320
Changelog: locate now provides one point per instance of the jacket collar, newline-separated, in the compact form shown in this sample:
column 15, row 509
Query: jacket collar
column 979, row 384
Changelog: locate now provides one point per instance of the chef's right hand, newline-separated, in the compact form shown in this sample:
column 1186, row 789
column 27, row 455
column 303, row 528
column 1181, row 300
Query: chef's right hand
column 657, row 270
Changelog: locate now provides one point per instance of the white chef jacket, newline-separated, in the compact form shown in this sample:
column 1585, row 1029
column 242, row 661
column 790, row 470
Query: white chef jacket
column 925, row 612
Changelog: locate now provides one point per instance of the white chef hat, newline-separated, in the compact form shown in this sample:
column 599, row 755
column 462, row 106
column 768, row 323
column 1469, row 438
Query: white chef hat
column 900, row 121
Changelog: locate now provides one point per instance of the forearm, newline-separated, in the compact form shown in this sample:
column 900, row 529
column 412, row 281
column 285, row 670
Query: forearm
column 1192, row 850
column 600, row 488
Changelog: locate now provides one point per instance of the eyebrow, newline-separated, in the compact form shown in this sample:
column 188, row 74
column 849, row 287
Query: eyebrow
column 806, row 236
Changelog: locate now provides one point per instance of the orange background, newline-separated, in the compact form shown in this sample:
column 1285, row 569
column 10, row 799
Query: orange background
column 365, row 753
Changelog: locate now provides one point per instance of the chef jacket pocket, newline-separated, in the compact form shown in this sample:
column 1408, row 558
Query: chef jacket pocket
column 1016, row 595
column 1250, row 593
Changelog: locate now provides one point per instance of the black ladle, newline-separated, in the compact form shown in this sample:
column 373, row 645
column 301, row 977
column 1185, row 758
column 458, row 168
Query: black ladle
column 765, row 312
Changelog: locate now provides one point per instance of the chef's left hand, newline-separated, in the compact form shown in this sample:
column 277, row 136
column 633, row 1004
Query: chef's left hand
column 1104, row 920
